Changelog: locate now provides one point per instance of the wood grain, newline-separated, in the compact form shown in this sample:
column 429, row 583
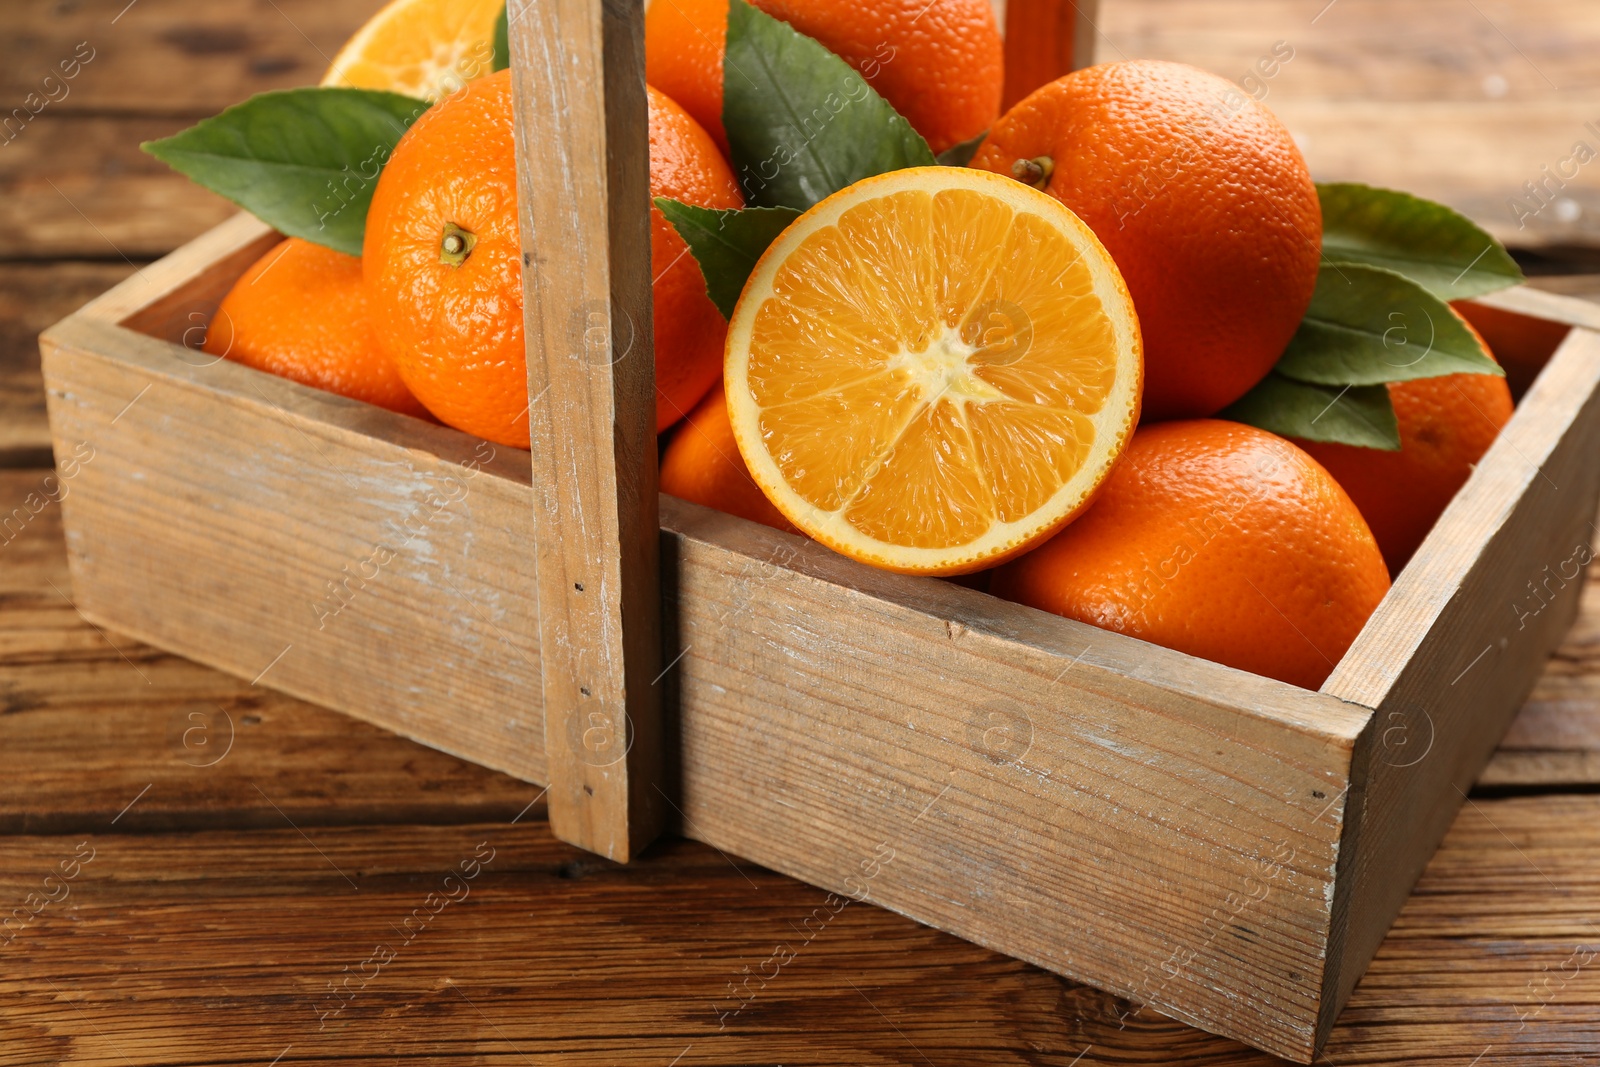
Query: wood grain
column 1458, row 613
column 32, row 296
column 168, row 57
column 320, row 540
column 583, row 182
column 91, row 720
column 1463, row 103
column 211, row 948
column 77, row 186
column 1073, row 797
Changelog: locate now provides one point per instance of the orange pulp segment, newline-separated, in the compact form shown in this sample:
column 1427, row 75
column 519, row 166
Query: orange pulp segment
column 421, row 48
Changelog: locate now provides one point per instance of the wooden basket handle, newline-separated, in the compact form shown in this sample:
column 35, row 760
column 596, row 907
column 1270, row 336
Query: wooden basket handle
column 583, row 172
column 583, row 183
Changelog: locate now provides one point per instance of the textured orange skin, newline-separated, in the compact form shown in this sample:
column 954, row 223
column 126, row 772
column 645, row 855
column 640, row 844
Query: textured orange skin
column 683, row 46
column 300, row 312
column 684, row 165
column 1219, row 540
column 455, row 332
column 939, row 62
column 1209, row 212
column 1446, row 425
column 703, row 465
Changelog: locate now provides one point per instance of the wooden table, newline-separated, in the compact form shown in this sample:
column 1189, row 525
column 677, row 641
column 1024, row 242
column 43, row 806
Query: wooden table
column 221, row 874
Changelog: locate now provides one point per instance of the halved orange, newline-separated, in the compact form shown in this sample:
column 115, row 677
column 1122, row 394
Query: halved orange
column 421, row 48
column 933, row 370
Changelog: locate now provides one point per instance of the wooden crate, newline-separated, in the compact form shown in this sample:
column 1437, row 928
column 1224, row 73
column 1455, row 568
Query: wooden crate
column 1225, row 848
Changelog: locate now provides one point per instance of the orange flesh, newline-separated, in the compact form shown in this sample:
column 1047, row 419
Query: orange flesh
column 928, row 366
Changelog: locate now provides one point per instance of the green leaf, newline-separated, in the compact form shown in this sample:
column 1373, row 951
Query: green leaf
column 1440, row 249
column 1351, row 415
column 502, row 42
column 304, row 161
column 959, row 155
column 726, row 244
column 1366, row 326
column 801, row 123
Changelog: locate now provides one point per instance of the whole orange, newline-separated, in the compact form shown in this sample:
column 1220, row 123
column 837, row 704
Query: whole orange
column 1446, row 425
column 300, row 312
column 684, row 165
column 442, row 263
column 1219, row 540
column 939, row 62
column 442, row 256
column 1204, row 202
column 702, row 464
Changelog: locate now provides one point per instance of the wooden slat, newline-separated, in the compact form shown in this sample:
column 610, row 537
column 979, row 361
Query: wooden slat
column 1448, row 656
column 583, row 182
column 76, row 186
column 213, row 947
column 168, row 57
column 32, row 296
column 349, row 559
column 1019, row 779
column 91, row 720
column 1555, row 740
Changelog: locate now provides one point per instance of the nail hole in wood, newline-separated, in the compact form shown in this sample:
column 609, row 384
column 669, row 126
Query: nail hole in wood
column 583, row 689
column 578, row 586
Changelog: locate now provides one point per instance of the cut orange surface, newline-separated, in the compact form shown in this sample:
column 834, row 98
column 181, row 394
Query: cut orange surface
column 421, row 48
column 933, row 369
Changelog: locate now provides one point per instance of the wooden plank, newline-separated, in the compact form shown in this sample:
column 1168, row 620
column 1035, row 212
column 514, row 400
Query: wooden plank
column 1069, row 796
column 1491, row 960
column 1463, row 104
column 32, row 296
column 169, row 57
column 583, row 183
column 1456, row 646
column 89, row 720
column 338, row 546
column 221, row 947
column 76, row 186
column 1555, row 740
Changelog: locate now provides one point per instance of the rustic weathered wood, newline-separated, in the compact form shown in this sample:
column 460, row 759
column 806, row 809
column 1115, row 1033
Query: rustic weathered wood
column 1453, row 650
column 220, row 947
column 333, row 549
column 1461, row 103
column 32, row 296
column 90, row 719
column 583, row 181
column 178, row 58
column 1044, row 40
column 1020, row 779
column 77, row 186
column 1555, row 740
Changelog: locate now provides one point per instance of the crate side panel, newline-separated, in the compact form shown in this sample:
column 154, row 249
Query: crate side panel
column 227, row 516
column 1465, row 633
column 1034, row 792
